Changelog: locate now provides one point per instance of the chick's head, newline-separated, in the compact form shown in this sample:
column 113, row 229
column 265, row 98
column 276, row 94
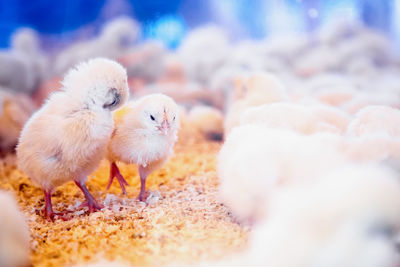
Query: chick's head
column 25, row 40
column 120, row 33
column 159, row 114
column 98, row 84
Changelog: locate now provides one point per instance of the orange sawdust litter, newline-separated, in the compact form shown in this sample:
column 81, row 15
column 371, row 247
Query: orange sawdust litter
column 181, row 222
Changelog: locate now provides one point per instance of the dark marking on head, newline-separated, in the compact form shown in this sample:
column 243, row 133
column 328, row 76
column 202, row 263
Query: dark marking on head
column 213, row 136
column 382, row 229
column 115, row 101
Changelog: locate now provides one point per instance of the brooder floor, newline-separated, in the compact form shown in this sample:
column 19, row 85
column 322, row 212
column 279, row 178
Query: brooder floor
column 182, row 221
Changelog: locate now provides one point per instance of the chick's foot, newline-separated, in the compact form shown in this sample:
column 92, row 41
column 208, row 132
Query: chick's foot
column 48, row 210
column 114, row 172
column 90, row 202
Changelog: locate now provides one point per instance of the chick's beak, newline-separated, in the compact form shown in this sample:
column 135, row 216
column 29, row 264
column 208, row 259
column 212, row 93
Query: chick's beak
column 164, row 127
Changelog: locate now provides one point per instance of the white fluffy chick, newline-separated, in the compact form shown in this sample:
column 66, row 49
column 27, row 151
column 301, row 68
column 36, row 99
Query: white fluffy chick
column 338, row 30
column 14, row 234
column 299, row 118
column 15, row 110
column 255, row 160
column 26, row 42
column 325, row 225
column 207, row 121
column 67, row 138
column 254, row 90
column 187, row 94
column 146, row 61
column 116, row 38
column 16, row 73
column 203, row 51
column 284, row 48
column 319, row 59
column 367, row 44
column 370, row 148
column 376, row 120
column 374, row 97
column 145, row 134
column 23, row 66
column 222, row 82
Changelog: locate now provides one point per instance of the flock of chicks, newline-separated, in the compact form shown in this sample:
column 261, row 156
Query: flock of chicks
column 310, row 159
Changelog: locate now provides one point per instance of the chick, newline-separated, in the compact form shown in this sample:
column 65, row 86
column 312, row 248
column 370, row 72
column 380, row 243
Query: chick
column 14, row 234
column 26, row 42
column 377, row 97
column 16, row 73
column 145, row 133
column 23, row 66
column 207, row 121
column 299, row 118
column 331, row 227
column 203, row 51
column 146, row 62
column 256, row 160
column 116, row 38
column 376, row 120
column 254, row 90
column 66, row 139
column 370, row 148
column 15, row 110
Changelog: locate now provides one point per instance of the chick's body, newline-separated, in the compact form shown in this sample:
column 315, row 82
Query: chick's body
column 54, row 155
column 145, row 134
column 66, row 139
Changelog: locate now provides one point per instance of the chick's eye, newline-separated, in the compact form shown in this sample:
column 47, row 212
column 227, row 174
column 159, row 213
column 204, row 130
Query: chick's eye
column 173, row 118
column 152, row 118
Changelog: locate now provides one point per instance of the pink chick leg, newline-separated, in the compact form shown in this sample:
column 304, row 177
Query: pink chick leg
column 143, row 176
column 48, row 211
column 114, row 172
column 90, row 201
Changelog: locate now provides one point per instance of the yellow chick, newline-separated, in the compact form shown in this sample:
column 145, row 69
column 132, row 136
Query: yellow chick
column 145, row 134
column 67, row 138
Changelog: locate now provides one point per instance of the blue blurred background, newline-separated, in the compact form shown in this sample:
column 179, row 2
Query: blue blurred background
column 63, row 21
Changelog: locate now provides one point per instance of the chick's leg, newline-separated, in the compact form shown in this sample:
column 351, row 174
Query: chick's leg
column 90, row 201
column 143, row 176
column 114, row 172
column 48, row 210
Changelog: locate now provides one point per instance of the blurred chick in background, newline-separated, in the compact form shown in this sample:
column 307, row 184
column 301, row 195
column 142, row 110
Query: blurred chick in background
column 252, row 90
column 207, row 121
column 145, row 134
column 23, row 66
column 15, row 111
column 14, row 234
column 255, row 161
column 116, row 38
column 145, row 62
column 336, row 228
column 27, row 42
column 299, row 118
column 376, row 120
column 67, row 138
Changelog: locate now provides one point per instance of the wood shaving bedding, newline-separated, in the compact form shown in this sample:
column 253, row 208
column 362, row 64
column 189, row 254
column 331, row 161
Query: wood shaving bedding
column 182, row 222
